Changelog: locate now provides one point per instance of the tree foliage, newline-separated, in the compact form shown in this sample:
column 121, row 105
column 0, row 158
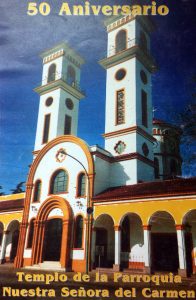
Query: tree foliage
column 188, row 125
column 18, row 188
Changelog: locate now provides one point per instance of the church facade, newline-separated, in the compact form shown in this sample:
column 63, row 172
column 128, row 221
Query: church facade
column 120, row 207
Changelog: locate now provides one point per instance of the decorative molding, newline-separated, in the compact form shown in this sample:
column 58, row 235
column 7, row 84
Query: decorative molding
column 102, row 156
column 133, row 129
column 60, row 155
column 53, row 56
column 127, row 54
column 35, row 152
column 117, row 228
column 179, row 227
column 116, row 22
column 134, row 156
column 57, row 84
column 56, row 141
column 124, row 157
column 146, row 227
column 120, row 147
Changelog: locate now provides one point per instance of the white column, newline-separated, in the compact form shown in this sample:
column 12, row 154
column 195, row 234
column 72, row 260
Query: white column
column 146, row 245
column 117, row 231
column 3, row 246
column 93, row 246
column 181, row 250
column 147, row 252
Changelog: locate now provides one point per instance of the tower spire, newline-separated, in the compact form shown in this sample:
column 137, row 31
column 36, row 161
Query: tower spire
column 129, row 65
column 60, row 93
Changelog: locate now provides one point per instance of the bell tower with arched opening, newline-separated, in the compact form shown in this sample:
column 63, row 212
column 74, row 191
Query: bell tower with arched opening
column 59, row 94
column 128, row 121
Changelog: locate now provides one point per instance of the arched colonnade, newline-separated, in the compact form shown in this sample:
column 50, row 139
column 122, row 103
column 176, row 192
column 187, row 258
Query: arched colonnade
column 160, row 245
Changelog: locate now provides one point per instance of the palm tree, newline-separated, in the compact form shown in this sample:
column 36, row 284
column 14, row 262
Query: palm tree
column 18, row 188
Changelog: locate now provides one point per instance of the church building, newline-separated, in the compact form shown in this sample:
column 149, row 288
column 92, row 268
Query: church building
column 121, row 207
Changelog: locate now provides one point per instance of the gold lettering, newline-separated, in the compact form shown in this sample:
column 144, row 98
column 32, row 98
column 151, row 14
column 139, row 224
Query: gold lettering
column 153, row 11
column 107, row 10
column 163, row 10
column 136, row 10
column 146, row 293
column 146, row 8
column 116, row 9
column 20, row 276
column 96, row 9
column 78, row 10
column 65, row 10
column 126, row 10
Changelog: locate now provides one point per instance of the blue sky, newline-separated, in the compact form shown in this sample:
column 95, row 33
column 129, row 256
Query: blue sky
column 23, row 38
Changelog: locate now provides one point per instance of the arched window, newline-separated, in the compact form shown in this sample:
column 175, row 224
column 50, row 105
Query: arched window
column 30, row 235
column 59, row 182
column 81, row 185
column 156, row 168
column 51, row 73
column 143, row 41
column 121, row 41
column 78, row 232
column 71, row 75
column 37, row 191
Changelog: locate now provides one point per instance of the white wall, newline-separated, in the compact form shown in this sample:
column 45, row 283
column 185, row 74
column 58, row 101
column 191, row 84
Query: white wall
column 58, row 62
column 47, row 166
column 53, row 110
column 131, row 30
column 102, row 175
column 112, row 86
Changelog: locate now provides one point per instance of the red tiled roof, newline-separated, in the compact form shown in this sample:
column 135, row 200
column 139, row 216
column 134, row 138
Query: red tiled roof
column 164, row 123
column 174, row 187
column 158, row 121
column 10, row 205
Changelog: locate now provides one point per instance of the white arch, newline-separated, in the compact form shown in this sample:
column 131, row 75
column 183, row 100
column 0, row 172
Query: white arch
column 129, row 214
column 101, row 216
column 11, row 226
column 188, row 215
column 162, row 212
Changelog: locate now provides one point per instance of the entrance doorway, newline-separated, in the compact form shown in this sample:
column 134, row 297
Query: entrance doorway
column 164, row 245
column 52, row 240
column 164, row 252
column 103, row 254
column 101, row 248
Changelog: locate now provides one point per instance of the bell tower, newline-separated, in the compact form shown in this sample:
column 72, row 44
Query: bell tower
column 128, row 125
column 59, row 94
